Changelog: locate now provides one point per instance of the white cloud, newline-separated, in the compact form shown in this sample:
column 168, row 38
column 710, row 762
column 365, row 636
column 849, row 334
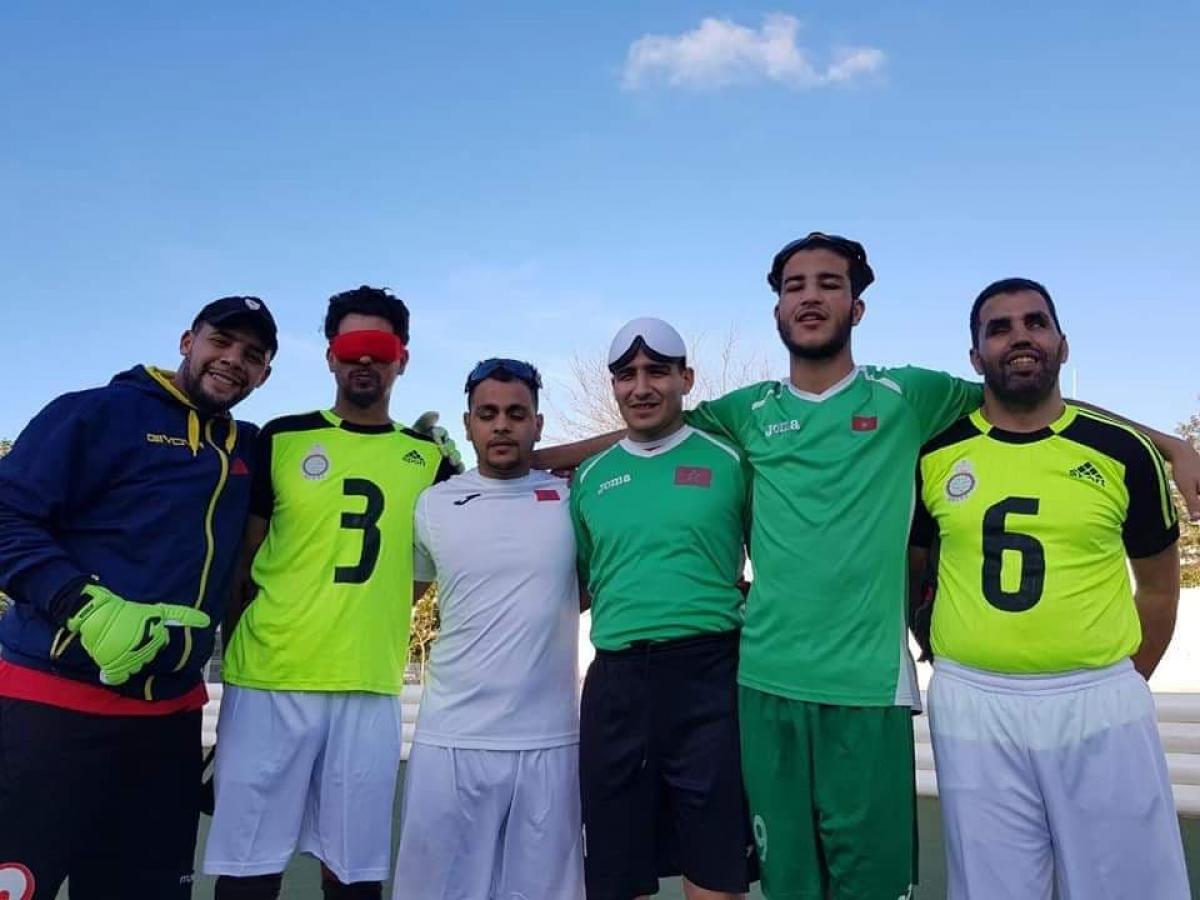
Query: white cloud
column 854, row 61
column 720, row 53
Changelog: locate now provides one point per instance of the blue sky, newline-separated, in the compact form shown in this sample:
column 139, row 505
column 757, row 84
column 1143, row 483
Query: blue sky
column 529, row 176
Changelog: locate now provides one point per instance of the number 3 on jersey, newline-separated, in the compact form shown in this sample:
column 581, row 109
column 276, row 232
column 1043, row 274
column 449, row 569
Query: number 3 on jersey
column 367, row 522
column 996, row 539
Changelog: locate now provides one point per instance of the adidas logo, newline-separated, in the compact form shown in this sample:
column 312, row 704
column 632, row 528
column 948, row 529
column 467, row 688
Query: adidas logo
column 412, row 456
column 1087, row 472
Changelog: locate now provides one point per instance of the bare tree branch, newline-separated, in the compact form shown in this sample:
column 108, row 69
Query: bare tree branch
column 1189, row 534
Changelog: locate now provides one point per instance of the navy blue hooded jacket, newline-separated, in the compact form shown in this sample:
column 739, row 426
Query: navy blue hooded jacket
column 130, row 485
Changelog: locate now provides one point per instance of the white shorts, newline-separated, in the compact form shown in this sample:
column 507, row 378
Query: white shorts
column 1057, row 778
column 309, row 771
column 492, row 824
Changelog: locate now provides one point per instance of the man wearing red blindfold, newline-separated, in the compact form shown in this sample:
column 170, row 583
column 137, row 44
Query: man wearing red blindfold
column 310, row 728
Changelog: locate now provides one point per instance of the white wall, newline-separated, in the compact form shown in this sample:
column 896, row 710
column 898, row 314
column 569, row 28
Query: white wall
column 1178, row 672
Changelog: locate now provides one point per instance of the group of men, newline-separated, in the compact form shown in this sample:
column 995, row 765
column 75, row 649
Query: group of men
column 720, row 736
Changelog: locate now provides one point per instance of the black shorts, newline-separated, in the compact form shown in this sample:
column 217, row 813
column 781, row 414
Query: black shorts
column 660, row 770
column 112, row 802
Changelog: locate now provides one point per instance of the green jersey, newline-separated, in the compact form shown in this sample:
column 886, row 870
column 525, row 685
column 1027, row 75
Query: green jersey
column 833, row 492
column 659, row 533
column 335, row 572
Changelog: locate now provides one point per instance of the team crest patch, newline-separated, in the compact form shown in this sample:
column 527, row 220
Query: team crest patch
column 315, row 465
column 961, row 483
column 16, row 882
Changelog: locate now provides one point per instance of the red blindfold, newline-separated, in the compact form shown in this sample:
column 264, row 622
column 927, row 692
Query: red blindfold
column 380, row 346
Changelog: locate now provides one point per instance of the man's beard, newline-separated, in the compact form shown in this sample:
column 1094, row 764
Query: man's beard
column 831, row 348
column 193, row 386
column 1023, row 391
column 363, row 398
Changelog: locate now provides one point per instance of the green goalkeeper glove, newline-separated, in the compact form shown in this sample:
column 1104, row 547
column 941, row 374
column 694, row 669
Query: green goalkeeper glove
column 428, row 426
column 122, row 637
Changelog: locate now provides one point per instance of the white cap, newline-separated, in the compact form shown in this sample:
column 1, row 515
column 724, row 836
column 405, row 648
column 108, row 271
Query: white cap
column 656, row 335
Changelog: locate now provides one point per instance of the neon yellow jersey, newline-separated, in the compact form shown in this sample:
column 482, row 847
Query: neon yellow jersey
column 1033, row 532
column 335, row 572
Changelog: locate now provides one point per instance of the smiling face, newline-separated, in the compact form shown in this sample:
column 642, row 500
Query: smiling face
column 365, row 382
column 650, row 394
column 503, row 424
column 1019, row 348
column 816, row 309
column 221, row 365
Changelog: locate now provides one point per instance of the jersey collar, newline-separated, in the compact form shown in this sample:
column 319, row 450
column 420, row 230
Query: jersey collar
column 338, row 422
column 656, row 448
column 831, row 391
column 1023, row 437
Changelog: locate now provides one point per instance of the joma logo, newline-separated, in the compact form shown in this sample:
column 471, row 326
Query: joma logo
column 781, row 427
column 612, row 483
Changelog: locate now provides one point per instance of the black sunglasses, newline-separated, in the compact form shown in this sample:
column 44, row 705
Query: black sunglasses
column 522, row 371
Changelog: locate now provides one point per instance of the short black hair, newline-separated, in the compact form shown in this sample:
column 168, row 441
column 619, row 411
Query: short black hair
column 504, row 375
column 367, row 301
column 857, row 268
column 1009, row 286
column 639, row 344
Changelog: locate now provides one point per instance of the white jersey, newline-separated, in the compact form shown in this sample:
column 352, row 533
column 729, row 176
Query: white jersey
column 503, row 672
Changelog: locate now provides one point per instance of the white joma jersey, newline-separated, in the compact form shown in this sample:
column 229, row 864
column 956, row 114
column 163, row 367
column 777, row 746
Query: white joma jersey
column 503, row 672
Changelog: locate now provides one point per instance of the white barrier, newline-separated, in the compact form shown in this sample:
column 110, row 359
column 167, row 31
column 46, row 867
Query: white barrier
column 1178, row 724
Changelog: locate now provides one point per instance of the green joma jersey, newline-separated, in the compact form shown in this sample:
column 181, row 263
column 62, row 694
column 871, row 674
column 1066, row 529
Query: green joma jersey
column 335, row 572
column 1033, row 531
column 833, row 492
column 659, row 533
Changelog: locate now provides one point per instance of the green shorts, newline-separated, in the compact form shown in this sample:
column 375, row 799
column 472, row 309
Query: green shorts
column 832, row 798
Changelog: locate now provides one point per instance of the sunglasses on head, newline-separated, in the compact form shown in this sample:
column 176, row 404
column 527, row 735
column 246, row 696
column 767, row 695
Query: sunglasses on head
column 522, row 371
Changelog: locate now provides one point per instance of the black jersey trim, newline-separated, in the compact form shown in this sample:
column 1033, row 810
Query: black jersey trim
column 962, row 430
column 1113, row 440
column 1152, row 545
column 1019, row 437
column 311, row 421
column 415, row 434
column 356, row 428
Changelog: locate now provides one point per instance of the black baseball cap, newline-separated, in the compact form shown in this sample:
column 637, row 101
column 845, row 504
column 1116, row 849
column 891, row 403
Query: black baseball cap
column 250, row 311
column 853, row 252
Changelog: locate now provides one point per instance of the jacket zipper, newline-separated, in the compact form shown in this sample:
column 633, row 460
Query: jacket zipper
column 209, row 548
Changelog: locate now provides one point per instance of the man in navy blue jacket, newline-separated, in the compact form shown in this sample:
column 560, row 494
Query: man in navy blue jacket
column 121, row 514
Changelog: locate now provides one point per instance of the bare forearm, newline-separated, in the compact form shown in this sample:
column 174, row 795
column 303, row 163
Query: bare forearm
column 1156, row 610
column 241, row 596
column 244, row 588
column 568, row 456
